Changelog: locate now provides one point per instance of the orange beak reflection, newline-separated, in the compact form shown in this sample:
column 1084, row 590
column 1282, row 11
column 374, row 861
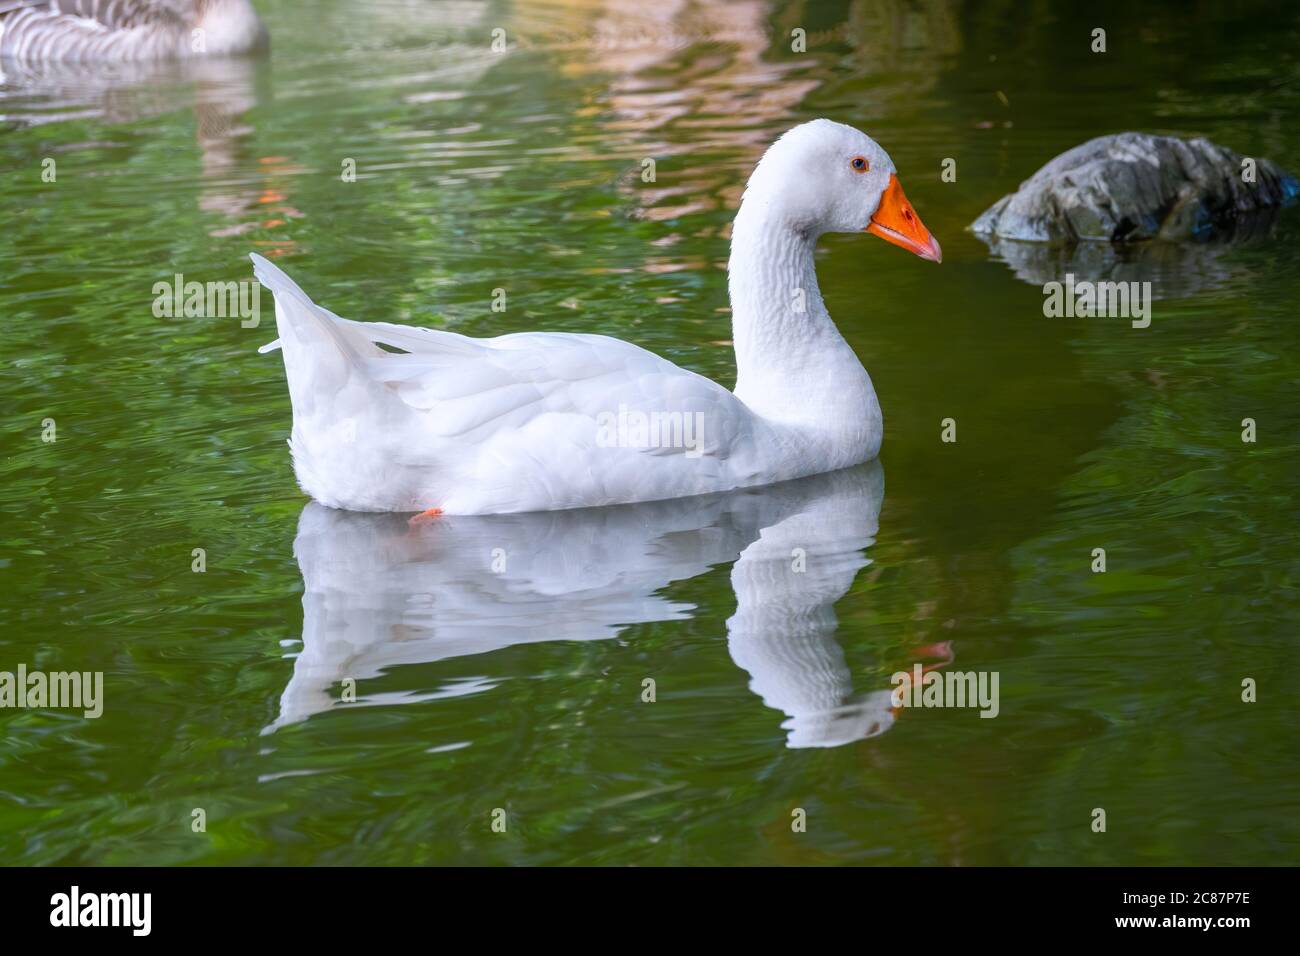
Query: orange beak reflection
column 897, row 222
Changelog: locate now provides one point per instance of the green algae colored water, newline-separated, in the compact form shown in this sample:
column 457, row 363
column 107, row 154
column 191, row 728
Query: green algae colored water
column 336, row 688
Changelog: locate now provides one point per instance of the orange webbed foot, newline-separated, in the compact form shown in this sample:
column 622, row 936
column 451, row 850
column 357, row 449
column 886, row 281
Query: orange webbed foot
column 424, row 516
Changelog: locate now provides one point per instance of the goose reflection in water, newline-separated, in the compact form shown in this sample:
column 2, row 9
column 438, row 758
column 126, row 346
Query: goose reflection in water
column 248, row 192
column 381, row 593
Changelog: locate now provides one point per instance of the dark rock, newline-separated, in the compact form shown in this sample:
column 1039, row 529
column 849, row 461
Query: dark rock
column 1135, row 186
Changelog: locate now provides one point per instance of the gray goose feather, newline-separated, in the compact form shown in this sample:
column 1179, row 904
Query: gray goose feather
column 80, row 31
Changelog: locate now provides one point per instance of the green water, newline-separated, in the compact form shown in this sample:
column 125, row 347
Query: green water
column 521, row 688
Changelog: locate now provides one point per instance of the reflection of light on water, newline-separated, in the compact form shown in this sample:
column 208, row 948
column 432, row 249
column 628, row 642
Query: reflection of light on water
column 732, row 98
column 704, row 87
column 250, row 195
column 267, row 197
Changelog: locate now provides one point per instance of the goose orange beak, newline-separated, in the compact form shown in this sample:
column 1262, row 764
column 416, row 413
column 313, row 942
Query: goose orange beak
column 897, row 222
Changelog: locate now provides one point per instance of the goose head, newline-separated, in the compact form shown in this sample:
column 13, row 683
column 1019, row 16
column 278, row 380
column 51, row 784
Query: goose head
column 824, row 176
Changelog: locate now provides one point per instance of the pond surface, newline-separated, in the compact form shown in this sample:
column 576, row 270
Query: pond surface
column 522, row 688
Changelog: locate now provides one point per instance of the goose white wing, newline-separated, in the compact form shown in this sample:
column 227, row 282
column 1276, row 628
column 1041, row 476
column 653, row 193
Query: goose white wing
column 528, row 421
column 557, row 419
column 475, row 387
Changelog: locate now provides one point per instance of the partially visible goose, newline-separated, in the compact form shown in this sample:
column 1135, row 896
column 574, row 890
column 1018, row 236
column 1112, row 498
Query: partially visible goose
column 539, row 421
column 36, row 31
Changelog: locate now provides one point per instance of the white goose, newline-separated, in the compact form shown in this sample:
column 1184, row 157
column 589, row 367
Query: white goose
column 540, row 421
column 37, row 31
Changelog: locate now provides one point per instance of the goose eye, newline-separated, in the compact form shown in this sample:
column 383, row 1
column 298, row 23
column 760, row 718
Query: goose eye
column 860, row 164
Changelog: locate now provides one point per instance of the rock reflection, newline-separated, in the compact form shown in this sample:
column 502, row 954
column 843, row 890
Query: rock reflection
column 1174, row 269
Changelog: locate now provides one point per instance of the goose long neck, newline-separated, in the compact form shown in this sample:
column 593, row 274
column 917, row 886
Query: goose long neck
column 792, row 363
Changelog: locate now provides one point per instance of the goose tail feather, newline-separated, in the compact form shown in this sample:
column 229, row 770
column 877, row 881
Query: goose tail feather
column 322, row 352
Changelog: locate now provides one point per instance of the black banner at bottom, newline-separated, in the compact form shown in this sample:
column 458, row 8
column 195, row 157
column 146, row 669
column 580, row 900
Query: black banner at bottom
column 338, row 905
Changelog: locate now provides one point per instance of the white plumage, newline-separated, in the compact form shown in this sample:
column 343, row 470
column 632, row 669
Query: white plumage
column 541, row 421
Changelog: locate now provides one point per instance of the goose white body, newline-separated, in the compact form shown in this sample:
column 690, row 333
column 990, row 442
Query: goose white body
column 527, row 422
